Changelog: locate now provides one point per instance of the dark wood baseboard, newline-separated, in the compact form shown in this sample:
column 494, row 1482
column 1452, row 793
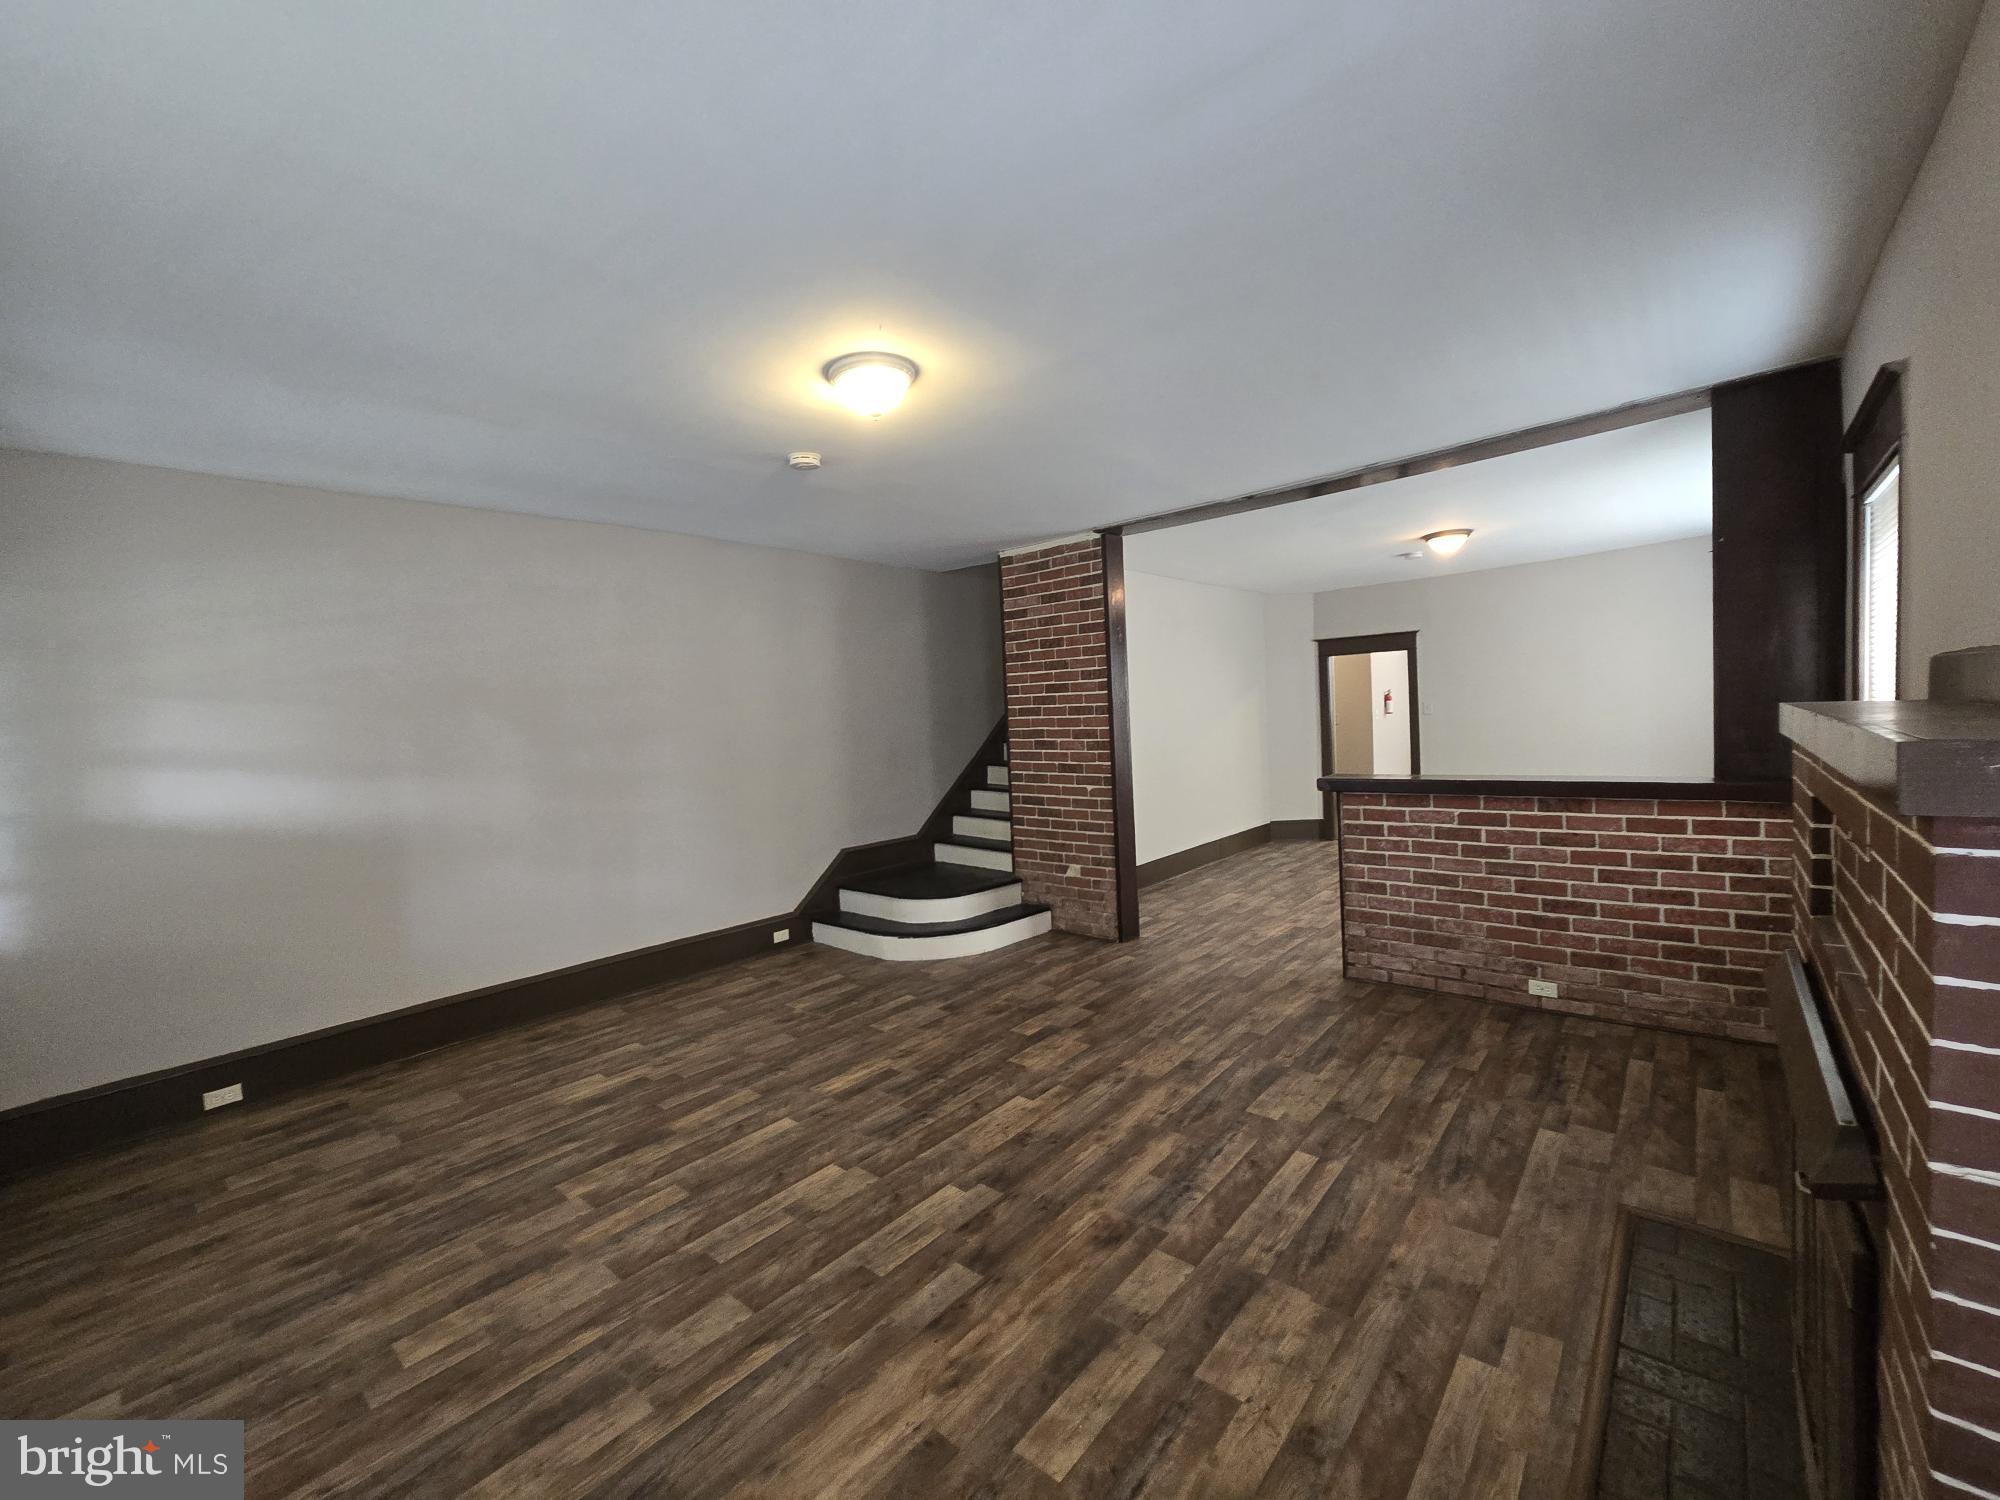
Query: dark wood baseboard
column 1167, row 866
column 1297, row 828
column 37, row 1135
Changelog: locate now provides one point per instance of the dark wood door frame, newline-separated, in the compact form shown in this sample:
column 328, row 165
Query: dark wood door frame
column 1360, row 645
column 1124, row 831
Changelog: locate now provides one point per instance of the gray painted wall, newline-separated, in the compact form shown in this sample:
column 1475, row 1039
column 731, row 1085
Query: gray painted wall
column 1291, row 677
column 274, row 758
column 1935, row 301
column 1195, row 654
column 1600, row 665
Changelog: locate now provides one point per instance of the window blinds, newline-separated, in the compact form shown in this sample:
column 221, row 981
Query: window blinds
column 1880, row 517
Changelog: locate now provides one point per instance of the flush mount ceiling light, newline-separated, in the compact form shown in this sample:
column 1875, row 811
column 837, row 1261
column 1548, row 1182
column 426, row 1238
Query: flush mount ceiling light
column 870, row 385
column 1445, row 543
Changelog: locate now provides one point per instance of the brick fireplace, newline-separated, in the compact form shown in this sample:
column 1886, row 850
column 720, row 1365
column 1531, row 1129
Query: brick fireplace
column 1898, row 915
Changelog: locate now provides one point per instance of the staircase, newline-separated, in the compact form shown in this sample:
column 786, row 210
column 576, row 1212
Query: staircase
column 966, row 901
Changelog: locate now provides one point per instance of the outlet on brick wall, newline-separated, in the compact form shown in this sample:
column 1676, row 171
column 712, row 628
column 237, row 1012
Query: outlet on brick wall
column 1634, row 909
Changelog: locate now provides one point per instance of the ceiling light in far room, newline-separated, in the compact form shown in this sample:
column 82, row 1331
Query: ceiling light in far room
column 870, row 385
column 1447, row 543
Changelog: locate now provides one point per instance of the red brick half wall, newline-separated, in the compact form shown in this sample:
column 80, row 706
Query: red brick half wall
column 1900, row 917
column 1652, row 911
column 1059, row 733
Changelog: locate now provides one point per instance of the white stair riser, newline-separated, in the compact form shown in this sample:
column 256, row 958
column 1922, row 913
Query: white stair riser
column 986, row 800
column 979, row 859
column 932, row 909
column 950, row 945
column 996, row 775
column 973, row 827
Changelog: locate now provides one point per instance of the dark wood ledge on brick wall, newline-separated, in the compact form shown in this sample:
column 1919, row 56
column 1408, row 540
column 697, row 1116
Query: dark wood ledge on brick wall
column 1534, row 786
column 1927, row 758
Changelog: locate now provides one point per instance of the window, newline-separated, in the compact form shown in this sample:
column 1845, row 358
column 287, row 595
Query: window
column 1881, row 515
column 1874, row 446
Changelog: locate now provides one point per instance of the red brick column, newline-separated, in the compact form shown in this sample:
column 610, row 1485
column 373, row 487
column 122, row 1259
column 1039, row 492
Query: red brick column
column 1654, row 911
column 1059, row 735
column 1901, row 918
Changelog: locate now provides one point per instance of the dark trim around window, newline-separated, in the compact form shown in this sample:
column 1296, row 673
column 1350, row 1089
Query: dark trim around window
column 1873, row 443
column 1875, row 436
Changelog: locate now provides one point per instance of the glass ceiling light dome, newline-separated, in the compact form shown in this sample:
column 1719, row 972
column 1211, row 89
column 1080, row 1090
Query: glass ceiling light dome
column 1445, row 543
column 870, row 385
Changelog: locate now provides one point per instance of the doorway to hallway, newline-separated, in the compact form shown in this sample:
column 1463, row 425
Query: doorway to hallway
column 1367, row 709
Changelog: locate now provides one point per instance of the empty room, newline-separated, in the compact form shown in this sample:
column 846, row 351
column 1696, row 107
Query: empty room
column 1154, row 753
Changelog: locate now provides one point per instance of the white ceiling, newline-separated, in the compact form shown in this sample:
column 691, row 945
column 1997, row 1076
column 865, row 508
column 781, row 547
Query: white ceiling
column 1618, row 489
column 584, row 258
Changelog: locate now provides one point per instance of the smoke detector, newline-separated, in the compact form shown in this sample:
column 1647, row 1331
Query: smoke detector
column 802, row 460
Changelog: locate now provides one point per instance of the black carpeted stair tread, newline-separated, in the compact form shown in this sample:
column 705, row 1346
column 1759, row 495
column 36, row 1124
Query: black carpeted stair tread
column 930, row 882
column 886, row 928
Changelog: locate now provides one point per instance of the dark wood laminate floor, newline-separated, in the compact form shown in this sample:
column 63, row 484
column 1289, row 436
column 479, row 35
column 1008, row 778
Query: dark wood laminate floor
column 1189, row 1218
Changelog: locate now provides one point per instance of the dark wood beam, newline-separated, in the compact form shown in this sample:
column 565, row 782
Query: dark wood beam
column 1632, row 414
column 1780, row 560
column 1560, row 786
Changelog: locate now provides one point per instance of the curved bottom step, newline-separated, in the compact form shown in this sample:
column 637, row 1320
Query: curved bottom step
column 876, row 938
column 932, row 894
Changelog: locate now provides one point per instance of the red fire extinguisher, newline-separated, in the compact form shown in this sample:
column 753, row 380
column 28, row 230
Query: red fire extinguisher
column 1388, row 702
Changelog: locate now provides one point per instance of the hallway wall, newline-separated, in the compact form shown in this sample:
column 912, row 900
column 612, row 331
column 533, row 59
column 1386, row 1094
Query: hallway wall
column 1199, row 764
column 1593, row 666
column 1225, row 711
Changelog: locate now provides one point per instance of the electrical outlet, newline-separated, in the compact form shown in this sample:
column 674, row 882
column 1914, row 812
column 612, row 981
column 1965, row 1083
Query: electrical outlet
column 782, row 935
column 1543, row 988
column 1075, row 871
column 216, row 1098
